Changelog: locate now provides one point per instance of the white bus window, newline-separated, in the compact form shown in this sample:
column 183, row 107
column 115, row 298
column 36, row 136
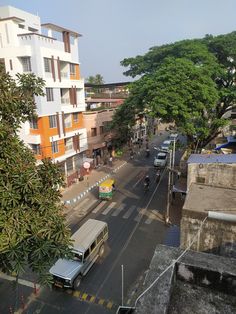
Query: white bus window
column 86, row 254
column 93, row 245
column 100, row 237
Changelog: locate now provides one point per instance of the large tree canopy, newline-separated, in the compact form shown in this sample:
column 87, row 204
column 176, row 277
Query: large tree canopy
column 190, row 82
column 32, row 227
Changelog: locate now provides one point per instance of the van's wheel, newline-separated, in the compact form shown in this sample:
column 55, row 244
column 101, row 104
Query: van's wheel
column 101, row 250
column 77, row 282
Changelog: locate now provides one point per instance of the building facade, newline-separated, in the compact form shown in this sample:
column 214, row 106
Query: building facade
column 99, row 136
column 50, row 52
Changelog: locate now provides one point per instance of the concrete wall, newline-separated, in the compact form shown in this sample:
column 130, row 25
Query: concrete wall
column 223, row 175
column 217, row 236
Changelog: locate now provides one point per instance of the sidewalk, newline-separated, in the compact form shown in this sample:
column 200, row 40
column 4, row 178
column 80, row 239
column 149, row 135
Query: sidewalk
column 75, row 192
column 71, row 195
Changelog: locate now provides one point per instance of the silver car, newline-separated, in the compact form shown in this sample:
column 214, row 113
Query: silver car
column 160, row 160
column 165, row 146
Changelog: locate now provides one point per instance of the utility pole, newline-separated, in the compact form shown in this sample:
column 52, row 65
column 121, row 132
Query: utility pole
column 173, row 164
column 167, row 219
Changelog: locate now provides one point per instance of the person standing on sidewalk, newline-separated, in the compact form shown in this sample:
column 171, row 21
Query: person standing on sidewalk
column 110, row 161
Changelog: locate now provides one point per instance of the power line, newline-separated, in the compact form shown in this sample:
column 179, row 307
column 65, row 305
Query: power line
column 172, row 264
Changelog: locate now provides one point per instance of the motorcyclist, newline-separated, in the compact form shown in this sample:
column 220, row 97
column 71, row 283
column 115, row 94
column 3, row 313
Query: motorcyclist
column 147, row 152
column 158, row 174
column 131, row 154
column 147, row 181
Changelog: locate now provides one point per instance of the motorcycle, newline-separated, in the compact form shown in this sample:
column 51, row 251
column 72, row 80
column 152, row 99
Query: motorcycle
column 147, row 152
column 146, row 186
column 158, row 175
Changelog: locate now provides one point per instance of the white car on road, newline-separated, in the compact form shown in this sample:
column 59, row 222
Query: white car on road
column 160, row 160
column 173, row 137
column 165, row 146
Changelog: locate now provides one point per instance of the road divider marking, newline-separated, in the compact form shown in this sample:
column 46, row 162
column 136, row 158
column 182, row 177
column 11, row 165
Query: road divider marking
column 96, row 209
column 109, row 305
column 76, row 294
column 84, row 296
column 109, row 208
column 95, row 300
column 101, row 301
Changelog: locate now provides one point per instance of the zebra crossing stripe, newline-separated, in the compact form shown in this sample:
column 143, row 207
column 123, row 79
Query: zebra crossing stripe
column 118, row 210
column 106, row 211
column 99, row 207
column 138, row 217
column 129, row 212
column 151, row 217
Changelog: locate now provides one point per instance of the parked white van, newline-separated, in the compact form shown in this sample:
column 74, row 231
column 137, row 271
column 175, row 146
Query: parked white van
column 88, row 246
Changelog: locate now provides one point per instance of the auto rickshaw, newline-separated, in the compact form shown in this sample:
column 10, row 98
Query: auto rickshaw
column 106, row 189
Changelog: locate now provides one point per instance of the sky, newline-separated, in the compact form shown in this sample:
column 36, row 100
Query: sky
column 116, row 29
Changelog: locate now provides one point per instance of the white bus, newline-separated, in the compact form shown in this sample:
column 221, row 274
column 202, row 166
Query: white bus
column 88, row 246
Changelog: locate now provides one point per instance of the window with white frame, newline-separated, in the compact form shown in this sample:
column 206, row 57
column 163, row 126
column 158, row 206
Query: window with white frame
column 76, row 117
column 26, row 64
column 68, row 143
column 72, row 69
column 47, row 65
column 68, row 122
column 54, row 145
column 52, row 122
column 49, row 94
column 34, row 124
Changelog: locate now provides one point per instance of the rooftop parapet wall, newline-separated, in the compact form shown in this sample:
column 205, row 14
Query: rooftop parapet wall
column 216, row 174
column 217, row 237
column 200, row 269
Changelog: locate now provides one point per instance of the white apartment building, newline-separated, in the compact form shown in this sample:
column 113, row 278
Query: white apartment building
column 51, row 52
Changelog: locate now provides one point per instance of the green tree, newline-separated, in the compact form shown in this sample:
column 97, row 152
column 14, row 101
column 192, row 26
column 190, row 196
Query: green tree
column 96, row 80
column 190, row 82
column 32, row 225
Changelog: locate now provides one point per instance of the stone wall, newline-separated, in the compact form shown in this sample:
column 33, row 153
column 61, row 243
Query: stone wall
column 218, row 237
column 223, row 175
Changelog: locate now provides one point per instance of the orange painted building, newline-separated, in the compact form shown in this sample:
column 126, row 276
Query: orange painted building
column 59, row 131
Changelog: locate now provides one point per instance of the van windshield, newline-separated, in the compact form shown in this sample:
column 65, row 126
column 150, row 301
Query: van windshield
column 78, row 256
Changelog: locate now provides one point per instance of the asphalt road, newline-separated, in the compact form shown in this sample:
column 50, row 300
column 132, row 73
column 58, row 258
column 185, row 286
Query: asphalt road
column 136, row 226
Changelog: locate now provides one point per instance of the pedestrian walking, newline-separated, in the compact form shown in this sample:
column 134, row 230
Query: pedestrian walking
column 110, row 161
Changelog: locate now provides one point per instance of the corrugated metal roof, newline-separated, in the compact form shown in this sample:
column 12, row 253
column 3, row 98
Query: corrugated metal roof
column 212, row 158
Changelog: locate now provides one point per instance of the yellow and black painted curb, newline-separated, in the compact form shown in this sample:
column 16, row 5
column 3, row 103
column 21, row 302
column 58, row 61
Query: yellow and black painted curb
column 93, row 299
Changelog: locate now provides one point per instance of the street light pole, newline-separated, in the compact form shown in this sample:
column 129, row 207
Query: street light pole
column 122, row 284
